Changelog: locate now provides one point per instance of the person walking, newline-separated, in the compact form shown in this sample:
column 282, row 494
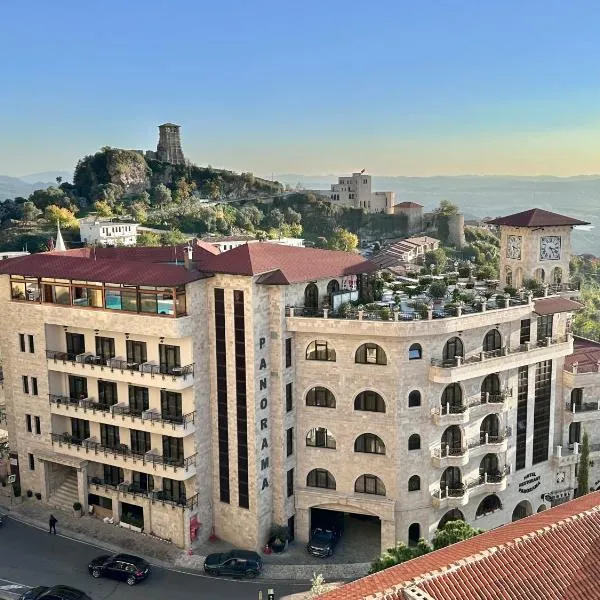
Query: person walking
column 52, row 522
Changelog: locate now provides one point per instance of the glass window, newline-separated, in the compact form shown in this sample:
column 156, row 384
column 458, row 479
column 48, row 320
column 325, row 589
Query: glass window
column 319, row 350
column 320, row 437
column 369, row 484
column 414, row 483
column 414, row 399
column 369, row 443
column 369, row 401
column 415, row 352
column 414, row 442
column 320, row 478
column 371, row 354
column 320, row 396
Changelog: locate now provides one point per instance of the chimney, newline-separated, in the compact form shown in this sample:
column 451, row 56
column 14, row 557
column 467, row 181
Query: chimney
column 187, row 257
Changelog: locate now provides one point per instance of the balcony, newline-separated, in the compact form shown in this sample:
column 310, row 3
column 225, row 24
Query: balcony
column 122, row 456
column 489, row 444
column 450, row 414
column 485, row 404
column 126, row 492
column 485, row 363
column 445, row 456
column 588, row 411
column 489, row 483
column 122, row 414
column 118, row 369
column 448, row 497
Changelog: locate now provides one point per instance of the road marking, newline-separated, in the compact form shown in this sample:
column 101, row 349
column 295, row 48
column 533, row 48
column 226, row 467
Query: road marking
column 7, row 585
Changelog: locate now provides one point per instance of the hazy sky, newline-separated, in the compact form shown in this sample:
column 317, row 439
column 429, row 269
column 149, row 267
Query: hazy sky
column 399, row 87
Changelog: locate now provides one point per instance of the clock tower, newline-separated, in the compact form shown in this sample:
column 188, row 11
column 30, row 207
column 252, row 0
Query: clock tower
column 535, row 244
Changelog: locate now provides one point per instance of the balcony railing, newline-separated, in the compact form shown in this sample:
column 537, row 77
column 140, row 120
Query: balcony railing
column 450, row 492
column 485, row 439
column 134, row 490
column 505, row 351
column 123, row 451
column 493, row 477
column 583, row 408
column 447, row 451
column 115, row 409
column 121, row 364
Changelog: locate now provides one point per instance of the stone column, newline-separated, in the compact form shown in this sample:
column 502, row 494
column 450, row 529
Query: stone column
column 303, row 524
column 82, row 486
column 388, row 535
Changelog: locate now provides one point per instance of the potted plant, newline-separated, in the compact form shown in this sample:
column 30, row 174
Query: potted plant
column 279, row 538
column 29, row 493
column 77, row 509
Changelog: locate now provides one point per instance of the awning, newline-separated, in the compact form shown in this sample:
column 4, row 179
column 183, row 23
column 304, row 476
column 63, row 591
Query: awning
column 555, row 304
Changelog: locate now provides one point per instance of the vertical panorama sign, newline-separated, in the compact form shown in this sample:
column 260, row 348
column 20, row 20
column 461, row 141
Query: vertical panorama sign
column 263, row 414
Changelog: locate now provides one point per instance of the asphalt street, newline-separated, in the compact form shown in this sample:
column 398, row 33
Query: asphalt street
column 30, row 557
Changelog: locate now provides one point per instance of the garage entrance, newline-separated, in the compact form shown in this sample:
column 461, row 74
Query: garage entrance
column 360, row 539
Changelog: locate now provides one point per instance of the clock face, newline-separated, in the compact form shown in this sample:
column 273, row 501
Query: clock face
column 550, row 247
column 513, row 247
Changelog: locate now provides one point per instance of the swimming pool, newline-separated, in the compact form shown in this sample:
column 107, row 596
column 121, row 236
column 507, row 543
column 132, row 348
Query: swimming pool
column 162, row 307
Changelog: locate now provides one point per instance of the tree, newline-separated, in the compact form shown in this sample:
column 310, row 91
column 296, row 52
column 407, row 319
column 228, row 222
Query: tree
column 139, row 211
column 342, row 239
column 452, row 532
column 30, row 212
column 446, row 208
column 103, row 208
column 59, row 180
column 438, row 258
column 583, row 474
column 276, row 218
column 437, row 290
column 51, row 195
column 249, row 217
column 398, row 554
column 161, row 195
column 183, row 189
column 173, row 238
column 148, row 238
column 292, row 217
column 55, row 214
column 321, row 242
column 486, row 272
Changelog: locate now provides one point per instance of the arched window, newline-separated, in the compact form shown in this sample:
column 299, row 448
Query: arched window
column 522, row 510
column 320, row 437
column 311, row 296
column 451, row 479
column 451, row 515
column 369, row 443
column 488, row 505
column 320, row 478
column 452, row 399
column 492, row 341
column 415, row 352
column 414, row 442
column 576, row 399
column 370, row 354
column 369, row 401
column 320, row 396
column 369, row 484
column 489, row 465
column 332, row 287
column 453, row 348
column 414, row 483
column 414, row 399
column 490, row 427
column 490, row 387
column 451, row 439
column 539, row 275
column 319, row 350
column 541, row 508
column 508, row 276
column 414, row 534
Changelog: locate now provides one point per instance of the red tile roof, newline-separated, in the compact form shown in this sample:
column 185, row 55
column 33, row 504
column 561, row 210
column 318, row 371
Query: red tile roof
column 586, row 353
column 296, row 264
column 68, row 266
column 408, row 205
column 536, row 217
column 555, row 304
column 552, row 555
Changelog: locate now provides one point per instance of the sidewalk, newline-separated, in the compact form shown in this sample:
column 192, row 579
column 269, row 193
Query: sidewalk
column 113, row 538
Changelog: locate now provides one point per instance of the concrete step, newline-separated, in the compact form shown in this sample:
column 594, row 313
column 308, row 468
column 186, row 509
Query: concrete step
column 66, row 494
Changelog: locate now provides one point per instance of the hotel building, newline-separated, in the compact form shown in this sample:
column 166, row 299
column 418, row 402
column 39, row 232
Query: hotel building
column 204, row 392
column 355, row 192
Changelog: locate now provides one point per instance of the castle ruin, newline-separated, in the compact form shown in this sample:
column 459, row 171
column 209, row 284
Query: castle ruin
column 169, row 145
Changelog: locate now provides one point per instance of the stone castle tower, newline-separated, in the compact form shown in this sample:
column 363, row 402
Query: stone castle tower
column 169, row 144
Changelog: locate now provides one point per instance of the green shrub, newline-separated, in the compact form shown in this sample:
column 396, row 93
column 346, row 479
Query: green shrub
column 77, row 506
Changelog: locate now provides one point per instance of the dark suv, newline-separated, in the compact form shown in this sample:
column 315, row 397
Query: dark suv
column 58, row 592
column 322, row 542
column 238, row 563
column 125, row 567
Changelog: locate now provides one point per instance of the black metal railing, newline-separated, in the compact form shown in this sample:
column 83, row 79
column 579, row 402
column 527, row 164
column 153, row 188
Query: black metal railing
column 123, row 451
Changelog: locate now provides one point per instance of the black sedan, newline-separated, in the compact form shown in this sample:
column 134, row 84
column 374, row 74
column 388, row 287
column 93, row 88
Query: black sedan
column 58, row 592
column 124, row 567
column 322, row 542
column 237, row 563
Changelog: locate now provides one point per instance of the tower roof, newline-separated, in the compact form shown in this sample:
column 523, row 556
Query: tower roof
column 169, row 125
column 537, row 217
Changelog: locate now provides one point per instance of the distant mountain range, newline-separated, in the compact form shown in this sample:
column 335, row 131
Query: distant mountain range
column 12, row 187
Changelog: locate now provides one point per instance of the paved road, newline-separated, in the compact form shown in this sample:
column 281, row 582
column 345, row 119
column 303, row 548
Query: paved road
column 31, row 557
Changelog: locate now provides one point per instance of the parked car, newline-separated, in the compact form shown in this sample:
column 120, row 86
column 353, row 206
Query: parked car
column 124, row 567
column 237, row 563
column 57, row 592
column 322, row 542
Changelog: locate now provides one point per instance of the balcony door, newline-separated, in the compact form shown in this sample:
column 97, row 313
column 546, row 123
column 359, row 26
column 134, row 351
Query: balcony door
column 105, row 348
column 77, row 387
column 170, row 405
column 169, row 357
column 138, row 399
column 107, row 392
column 136, row 352
column 173, row 450
column 75, row 343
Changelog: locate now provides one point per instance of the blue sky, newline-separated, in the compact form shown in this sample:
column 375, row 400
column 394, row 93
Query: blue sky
column 398, row 87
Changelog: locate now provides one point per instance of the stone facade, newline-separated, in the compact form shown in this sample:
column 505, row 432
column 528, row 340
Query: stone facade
column 169, row 144
column 355, row 192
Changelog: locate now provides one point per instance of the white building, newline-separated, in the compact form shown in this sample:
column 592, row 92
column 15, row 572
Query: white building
column 229, row 242
column 355, row 192
column 107, row 232
column 7, row 255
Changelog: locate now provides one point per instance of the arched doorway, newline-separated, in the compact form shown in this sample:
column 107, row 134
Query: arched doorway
column 332, row 287
column 311, row 296
column 557, row 276
column 490, row 387
column 451, row 478
column 414, row 534
column 490, row 429
column 451, row 439
column 451, row 515
column 522, row 510
column 492, row 341
column 453, row 348
column 539, row 275
column 489, row 465
column 452, row 399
